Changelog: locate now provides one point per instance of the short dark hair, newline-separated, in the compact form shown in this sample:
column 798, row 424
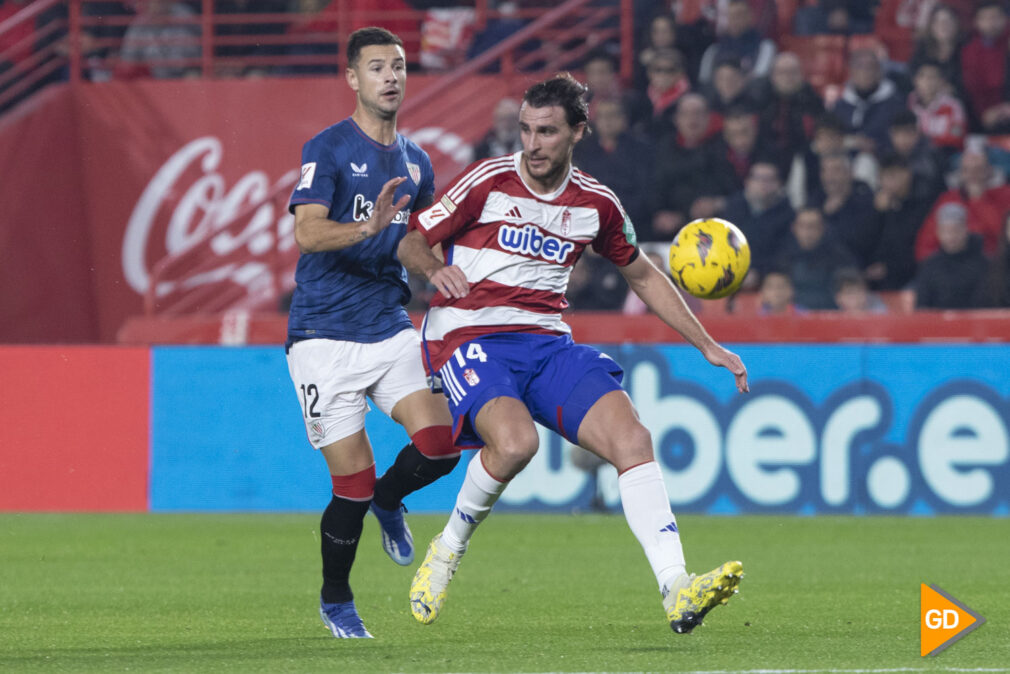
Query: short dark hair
column 564, row 91
column 893, row 160
column 728, row 60
column 987, row 4
column 929, row 63
column 366, row 37
column 846, row 277
column 601, row 54
column 904, row 119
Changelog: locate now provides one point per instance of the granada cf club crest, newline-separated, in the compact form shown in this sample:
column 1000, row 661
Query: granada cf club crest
column 566, row 223
column 415, row 172
column 471, row 377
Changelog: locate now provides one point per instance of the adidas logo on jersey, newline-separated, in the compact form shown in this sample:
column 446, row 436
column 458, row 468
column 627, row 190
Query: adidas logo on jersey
column 529, row 241
column 359, row 171
column 514, row 214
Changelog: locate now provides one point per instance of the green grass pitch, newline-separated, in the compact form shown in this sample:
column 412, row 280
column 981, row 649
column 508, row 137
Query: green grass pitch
column 229, row 593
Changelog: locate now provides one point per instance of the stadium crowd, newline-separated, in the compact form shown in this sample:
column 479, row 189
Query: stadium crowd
column 891, row 179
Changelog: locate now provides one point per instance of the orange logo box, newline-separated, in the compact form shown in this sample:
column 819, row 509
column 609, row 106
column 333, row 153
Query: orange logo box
column 943, row 619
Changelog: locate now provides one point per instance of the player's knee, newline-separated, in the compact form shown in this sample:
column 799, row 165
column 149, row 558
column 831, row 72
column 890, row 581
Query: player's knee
column 632, row 445
column 518, row 448
column 358, row 486
column 435, row 442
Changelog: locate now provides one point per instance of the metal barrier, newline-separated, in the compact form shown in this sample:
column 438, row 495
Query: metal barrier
column 95, row 40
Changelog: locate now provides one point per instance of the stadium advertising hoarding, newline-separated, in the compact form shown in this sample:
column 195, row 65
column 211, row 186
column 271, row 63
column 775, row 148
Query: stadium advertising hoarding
column 846, row 429
column 156, row 185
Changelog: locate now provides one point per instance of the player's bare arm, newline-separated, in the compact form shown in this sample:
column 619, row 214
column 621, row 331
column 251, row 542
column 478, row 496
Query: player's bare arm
column 660, row 295
column 418, row 258
column 316, row 232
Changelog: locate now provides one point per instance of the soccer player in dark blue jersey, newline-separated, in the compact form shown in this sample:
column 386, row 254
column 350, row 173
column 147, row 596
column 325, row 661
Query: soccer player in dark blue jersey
column 349, row 336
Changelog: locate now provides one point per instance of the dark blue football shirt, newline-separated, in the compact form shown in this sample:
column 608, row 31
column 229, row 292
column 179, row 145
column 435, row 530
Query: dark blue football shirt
column 358, row 293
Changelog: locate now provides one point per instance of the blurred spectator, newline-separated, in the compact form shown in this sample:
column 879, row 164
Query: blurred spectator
column 853, row 296
column 953, row 277
column 602, row 77
column 899, row 215
column 683, row 166
column 660, row 34
column 729, row 89
column 734, row 152
column 502, row 26
column 788, row 107
column 940, row 43
column 503, row 137
column 595, row 285
column 926, row 162
column 764, row 215
column 834, row 17
column 941, row 115
column 997, row 286
column 982, row 192
column 869, row 101
column 776, row 294
column 663, row 32
column 618, row 160
column 155, row 36
column 668, row 82
column 984, row 68
column 765, row 13
column 847, row 205
column 811, row 258
column 740, row 41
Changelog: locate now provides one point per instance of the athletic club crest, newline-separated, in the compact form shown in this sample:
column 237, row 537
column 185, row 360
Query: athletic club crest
column 566, row 223
column 415, row 172
column 471, row 377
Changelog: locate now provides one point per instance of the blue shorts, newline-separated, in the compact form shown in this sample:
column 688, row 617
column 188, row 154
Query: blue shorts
column 557, row 379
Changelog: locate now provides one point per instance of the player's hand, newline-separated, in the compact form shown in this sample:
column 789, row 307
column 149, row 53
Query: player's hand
column 385, row 210
column 722, row 357
column 450, row 281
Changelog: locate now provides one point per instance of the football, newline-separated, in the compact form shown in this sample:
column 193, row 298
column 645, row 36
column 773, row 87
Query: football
column 709, row 258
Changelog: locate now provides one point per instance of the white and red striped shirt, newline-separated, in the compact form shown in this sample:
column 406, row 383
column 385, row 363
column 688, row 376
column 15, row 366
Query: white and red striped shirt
column 517, row 249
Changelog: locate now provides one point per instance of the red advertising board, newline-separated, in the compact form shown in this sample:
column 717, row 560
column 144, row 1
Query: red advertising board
column 113, row 178
column 74, row 427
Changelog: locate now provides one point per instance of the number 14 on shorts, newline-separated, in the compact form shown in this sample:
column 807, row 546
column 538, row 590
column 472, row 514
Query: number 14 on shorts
column 473, row 352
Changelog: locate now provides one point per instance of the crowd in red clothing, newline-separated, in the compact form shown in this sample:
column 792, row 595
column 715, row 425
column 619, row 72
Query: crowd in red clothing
column 890, row 179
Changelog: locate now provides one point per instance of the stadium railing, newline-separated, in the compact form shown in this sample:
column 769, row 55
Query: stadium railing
column 78, row 40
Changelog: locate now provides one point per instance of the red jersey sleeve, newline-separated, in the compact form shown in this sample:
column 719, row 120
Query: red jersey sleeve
column 459, row 205
column 616, row 239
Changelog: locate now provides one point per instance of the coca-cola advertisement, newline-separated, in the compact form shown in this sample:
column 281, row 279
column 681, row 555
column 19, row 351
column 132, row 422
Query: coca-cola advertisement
column 169, row 198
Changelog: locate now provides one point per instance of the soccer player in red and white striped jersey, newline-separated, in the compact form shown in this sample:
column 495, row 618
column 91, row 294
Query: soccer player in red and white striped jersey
column 511, row 228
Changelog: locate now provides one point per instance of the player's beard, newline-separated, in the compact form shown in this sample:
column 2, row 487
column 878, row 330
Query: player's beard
column 548, row 174
column 384, row 110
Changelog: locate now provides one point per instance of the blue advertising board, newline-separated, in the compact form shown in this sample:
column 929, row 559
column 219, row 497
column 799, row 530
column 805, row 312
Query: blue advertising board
column 825, row 429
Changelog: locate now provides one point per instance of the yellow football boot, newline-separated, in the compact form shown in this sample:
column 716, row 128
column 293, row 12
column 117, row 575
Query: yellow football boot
column 431, row 582
column 687, row 604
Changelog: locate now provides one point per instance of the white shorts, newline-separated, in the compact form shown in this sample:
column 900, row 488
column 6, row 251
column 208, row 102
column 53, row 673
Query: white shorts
column 333, row 377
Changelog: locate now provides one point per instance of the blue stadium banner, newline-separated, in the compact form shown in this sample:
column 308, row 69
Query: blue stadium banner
column 825, row 429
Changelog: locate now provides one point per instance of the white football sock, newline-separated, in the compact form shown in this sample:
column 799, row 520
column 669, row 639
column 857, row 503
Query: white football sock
column 476, row 497
column 647, row 509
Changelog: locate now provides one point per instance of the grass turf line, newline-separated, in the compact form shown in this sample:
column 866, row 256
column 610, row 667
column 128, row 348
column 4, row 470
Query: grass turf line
column 222, row 593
